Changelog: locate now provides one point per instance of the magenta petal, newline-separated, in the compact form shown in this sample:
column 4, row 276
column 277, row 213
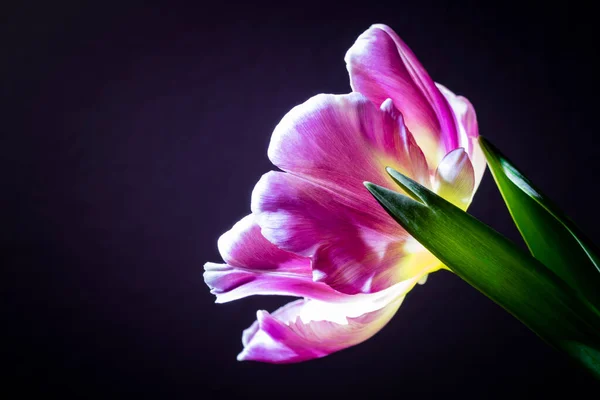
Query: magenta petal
column 382, row 66
column 343, row 140
column 454, row 178
column 244, row 246
column 403, row 147
column 255, row 266
column 293, row 334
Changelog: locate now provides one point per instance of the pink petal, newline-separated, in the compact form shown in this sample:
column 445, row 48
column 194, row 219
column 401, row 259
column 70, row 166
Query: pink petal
column 244, row 246
column 294, row 333
column 354, row 244
column 342, row 140
column 382, row 66
column 454, row 178
column 255, row 266
column 468, row 131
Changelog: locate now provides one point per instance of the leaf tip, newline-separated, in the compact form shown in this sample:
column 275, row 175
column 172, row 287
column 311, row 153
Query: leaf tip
column 412, row 188
column 379, row 192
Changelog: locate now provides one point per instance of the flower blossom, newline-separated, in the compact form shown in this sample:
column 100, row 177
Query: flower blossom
column 316, row 233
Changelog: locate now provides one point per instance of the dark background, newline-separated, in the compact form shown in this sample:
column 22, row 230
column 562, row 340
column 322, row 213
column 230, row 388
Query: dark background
column 133, row 136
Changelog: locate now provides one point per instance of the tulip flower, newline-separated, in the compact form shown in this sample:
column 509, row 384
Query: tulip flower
column 316, row 233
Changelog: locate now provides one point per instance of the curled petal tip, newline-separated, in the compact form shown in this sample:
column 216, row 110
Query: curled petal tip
column 261, row 315
column 389, row 107
column 243, row 355
column 380, row 26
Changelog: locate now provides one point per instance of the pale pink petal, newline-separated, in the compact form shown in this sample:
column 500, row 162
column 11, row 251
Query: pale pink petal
column 468, row 131
column 356, row 247
column 382, row 66
column 454, row 178
column 293, row 334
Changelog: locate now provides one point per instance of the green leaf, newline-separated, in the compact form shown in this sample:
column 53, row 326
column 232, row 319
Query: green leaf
column 550, row 236
column 498, row 268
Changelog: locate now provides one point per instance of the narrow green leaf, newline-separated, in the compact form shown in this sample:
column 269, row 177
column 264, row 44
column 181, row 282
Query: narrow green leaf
column 498, row 268
column 550, row 236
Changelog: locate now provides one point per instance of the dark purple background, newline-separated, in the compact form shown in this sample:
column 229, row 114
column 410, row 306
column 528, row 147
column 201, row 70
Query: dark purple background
column 132, row 138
